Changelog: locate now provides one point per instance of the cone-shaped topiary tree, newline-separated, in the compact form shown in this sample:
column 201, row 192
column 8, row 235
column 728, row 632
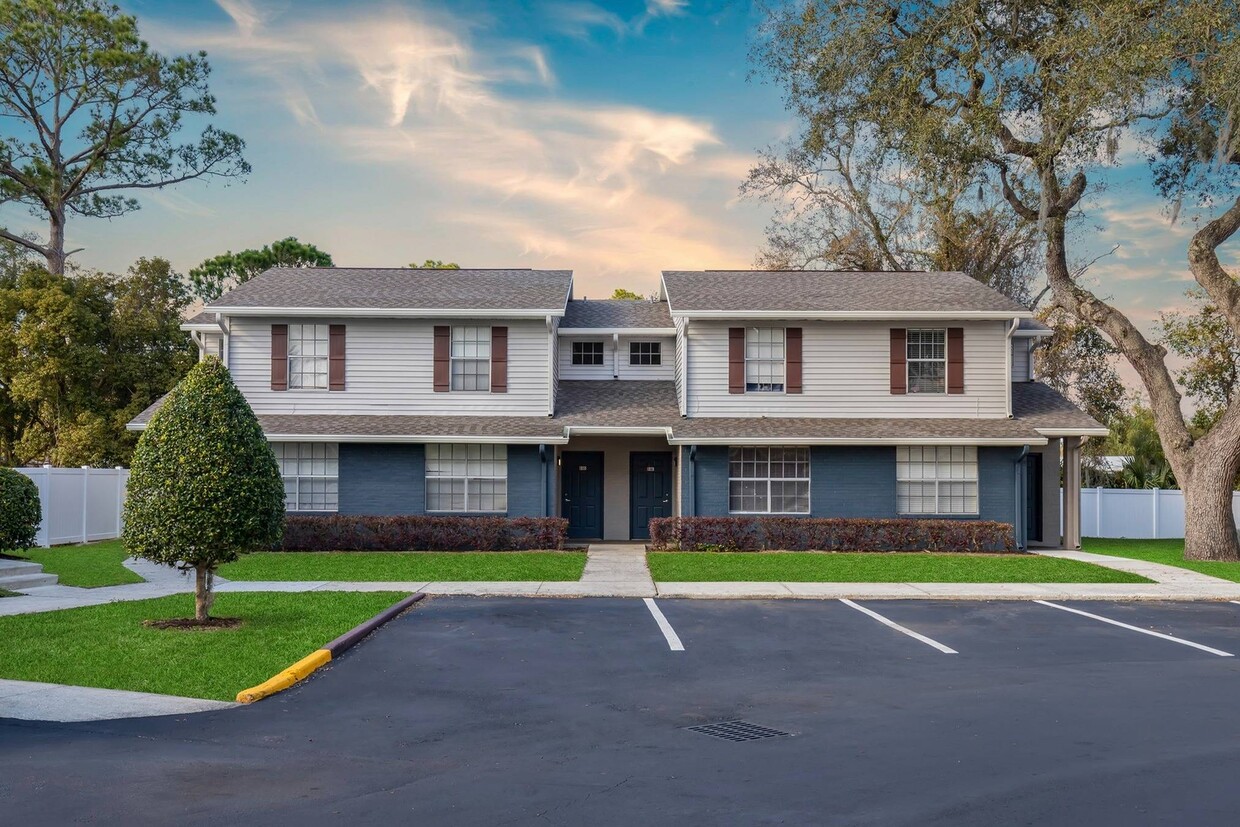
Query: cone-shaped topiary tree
column 20, row 511
column 204, row 486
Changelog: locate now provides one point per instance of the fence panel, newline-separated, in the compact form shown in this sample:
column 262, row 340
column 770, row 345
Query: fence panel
column 79, row 504
column 1137, row 514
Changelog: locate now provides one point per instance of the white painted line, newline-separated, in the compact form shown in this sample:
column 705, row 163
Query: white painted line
column 1149, row 632
column 673, row 640
column 947, row 650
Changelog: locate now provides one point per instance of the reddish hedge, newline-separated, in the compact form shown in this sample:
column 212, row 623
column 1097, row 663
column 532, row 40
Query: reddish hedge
column 828, row 534
column 422, row 533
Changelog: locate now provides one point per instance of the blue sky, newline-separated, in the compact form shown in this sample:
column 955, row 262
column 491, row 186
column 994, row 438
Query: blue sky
column 609, row 138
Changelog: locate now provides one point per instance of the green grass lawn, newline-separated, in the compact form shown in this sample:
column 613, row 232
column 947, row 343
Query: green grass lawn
column 844, row 567
column 408, row 565
column 107, row 646
column 1168, row 552
column 90, row 565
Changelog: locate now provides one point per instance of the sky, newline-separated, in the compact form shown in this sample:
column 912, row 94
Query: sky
column 609, row 138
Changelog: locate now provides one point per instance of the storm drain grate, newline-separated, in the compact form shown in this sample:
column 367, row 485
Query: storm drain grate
column 737, row 731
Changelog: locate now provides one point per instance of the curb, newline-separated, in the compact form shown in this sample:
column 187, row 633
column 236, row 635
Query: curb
column 303, row 668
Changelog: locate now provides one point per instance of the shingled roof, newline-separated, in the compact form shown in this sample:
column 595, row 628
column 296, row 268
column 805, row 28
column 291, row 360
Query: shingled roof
column 829, row 292
column 616, row 314
column 1046, row 409
column 400, row 288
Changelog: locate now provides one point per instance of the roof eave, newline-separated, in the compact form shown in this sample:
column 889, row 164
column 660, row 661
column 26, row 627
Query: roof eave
column 622, row 331
column 1060, row 432
column 854, row 314
column 390, row 312
column 795, row 440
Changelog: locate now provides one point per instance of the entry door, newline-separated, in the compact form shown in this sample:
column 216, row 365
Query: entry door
column 650, row 491
column 581, row 492
column 1033, row 497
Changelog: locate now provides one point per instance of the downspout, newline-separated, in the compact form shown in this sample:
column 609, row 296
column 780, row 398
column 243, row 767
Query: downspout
column 691, row 487
column 542, row 456
column 202, row 345
column 1007, row 365
column 1020, row 528
column 615, row 356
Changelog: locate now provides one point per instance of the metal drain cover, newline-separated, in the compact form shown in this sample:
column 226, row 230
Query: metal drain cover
column 737, row 731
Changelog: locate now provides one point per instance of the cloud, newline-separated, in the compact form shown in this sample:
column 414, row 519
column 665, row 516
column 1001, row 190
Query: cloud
column 581, row 19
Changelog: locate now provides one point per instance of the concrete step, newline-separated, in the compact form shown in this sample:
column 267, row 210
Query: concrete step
column 18, row 582
column 10, row 568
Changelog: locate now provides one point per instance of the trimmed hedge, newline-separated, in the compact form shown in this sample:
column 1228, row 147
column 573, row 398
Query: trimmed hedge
column 20, row 511
column 827, row 534
column 421, row 533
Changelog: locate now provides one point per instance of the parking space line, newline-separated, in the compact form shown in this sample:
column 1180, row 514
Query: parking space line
column 1149, row 632
column 947, row 650
column 673, row 640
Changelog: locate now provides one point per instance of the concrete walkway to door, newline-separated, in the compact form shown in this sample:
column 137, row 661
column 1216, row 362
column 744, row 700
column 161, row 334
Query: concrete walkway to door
column 618, row 569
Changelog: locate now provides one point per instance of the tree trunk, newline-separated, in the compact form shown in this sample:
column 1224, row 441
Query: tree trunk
column 204, row 582
column 1209, row 524
column 55, row 252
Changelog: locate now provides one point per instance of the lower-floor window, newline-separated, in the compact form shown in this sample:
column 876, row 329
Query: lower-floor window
column 467, row 478
column 768, row 480
column 311, row 472
column 936, row 479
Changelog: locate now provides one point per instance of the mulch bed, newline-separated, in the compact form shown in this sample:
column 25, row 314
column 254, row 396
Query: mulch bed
column 189, row 624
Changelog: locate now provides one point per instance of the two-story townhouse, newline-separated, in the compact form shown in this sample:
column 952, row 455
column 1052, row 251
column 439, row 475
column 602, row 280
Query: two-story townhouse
column 398, row 391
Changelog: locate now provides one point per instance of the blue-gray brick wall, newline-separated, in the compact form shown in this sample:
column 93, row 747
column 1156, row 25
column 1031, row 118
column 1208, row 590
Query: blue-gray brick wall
column 859, row 481
column 390, row 479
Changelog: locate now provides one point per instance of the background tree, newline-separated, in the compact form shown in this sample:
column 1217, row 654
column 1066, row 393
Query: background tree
column 20, row 511
column 1035, row 97
column 224, row 272
column 1211, row 349
column 204, row 487
column 435, row 264
column 626, row 295
column 92, row 114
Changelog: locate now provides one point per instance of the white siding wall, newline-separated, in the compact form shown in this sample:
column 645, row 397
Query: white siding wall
column 213, row 345
column 681, row 325
column 666, row 371
column 847, row 374
column 554, row 355
column 1021, row 359
column 389, row 367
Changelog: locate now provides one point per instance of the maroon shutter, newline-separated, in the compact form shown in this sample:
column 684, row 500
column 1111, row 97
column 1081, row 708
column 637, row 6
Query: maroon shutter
column 899, row 360
column 499, row 360
column 279, row 357
column 736, row 360
column 955, row 360
column 335, row 357
column 443, row 348
column 792, row 356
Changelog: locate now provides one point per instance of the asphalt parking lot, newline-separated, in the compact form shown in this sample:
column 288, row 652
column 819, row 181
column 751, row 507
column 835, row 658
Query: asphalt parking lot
column 519, row 711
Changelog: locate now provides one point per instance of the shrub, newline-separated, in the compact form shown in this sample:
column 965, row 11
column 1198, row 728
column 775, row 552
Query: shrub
column 20, row 511
column 422, row 533
column 828, row 534
column 204, row 486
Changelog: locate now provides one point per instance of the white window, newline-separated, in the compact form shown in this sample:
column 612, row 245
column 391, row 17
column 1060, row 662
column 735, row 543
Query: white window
column 927, row 361
column 768, row 480
column 307, row 356
column 587, row 353
column 645, row 353
column 764, row 359
column 311, row 472
column 471, row 358
column 936, row 479
column 470, row 478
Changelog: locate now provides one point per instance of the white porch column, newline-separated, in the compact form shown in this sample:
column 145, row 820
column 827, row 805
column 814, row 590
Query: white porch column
column 1072, row 492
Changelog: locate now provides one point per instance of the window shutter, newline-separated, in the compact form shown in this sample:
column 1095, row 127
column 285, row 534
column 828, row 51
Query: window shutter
column 499, row 360
column 955, row 360
column 279, row 357
column 443, row 348
column 899, row 360
column 792, row 356
column 335, row 357
column 736, row 360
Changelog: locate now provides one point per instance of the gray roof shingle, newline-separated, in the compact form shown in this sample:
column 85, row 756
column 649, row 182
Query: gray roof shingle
column 401, row 288
column 1041, row 406
column 615, row 313
column 202, row 318
column 615, row 403
column 831, row 291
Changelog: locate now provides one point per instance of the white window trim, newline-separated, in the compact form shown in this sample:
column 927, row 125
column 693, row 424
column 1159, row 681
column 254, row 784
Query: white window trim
column 783, row 373
column 602, row 353
column 427, row 476
column 938, row 512
column 297, row 478
column 658, row 345
column 452, row 360
column 908, row 361
column 809, row 498
column 289, row 357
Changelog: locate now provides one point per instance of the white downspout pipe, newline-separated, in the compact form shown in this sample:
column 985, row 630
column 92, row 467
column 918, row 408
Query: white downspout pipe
column 1007, row 365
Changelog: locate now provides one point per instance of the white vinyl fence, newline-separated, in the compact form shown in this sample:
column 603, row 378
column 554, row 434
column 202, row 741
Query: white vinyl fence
column 1137, row 514
column 79, row 504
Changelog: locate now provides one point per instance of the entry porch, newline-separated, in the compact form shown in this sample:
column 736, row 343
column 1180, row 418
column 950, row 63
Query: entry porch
column 609, row 487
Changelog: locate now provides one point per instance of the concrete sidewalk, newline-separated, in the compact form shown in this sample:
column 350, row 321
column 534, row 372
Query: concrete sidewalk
column 32, row 701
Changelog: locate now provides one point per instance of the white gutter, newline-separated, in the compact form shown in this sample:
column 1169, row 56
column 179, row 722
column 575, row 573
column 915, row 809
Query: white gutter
column 388, row 313
column 416, row 438
column 1007, row 366
column 1058, row 432
column 621, row 331
column 619, row 430
column 969, row 315
column 744, row 440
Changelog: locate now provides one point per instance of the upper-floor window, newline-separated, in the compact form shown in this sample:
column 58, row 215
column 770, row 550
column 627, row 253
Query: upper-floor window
column 764, row 359
column 311, row 472
column 927, row 361
column 307, row 356
column 645, row 353
column 936, row 479
column 768, row 480
column 471, row 358
column 587, row 353
column 467, row 478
